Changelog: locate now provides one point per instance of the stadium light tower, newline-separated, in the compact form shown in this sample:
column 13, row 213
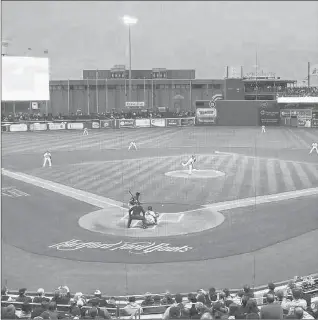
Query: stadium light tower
column 129, row 21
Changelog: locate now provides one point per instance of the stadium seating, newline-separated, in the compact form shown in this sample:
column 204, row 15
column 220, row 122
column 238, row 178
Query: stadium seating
column 299, row 92
column 298, row 299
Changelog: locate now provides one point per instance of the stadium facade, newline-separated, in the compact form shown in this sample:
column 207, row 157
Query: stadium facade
column 101, row 91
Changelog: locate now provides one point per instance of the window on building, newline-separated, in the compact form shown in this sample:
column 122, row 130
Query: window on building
column 216, row 86
column 197, row 86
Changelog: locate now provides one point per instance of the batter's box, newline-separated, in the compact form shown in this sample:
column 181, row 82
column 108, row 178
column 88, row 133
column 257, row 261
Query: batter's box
column 164, row 217
column 171, row 217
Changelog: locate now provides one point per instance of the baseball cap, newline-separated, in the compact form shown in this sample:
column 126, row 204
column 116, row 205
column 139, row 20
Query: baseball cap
column 40, row 291
column 97, row 292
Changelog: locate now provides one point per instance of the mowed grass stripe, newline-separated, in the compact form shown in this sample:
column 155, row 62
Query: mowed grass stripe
column 230, row 168
column 247, row 188
column 300, row 175
column 272, row 178
column 103, row 177
column 302, row 143
column 91, row 173
column 239, row 180
column 206, row 193
column 312, row 136
column 287, row 177
column 289, row 141
column 160, row 185
column 312, row 173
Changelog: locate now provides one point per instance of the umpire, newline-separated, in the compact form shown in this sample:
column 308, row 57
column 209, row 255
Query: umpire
column 135, row 214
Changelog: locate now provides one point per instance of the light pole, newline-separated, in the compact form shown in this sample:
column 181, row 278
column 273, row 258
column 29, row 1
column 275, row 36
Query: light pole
column 129, row 21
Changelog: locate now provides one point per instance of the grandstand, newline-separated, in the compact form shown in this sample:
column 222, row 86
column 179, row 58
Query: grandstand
column 301, row 292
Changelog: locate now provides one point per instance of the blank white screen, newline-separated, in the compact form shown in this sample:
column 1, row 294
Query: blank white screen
column 25, row 79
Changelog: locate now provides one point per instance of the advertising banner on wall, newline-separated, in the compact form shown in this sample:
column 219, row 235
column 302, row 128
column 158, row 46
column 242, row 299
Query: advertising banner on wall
column 285, row 113
column 187, row 122
column 158, row 123
column 173, row 122
column 142, row 123
column 126, row 123
column 75, row 125
column 269, row 117
column 315, row 114
column 95, row 125
column 57, row 126
column 18, row 127
column 38, row 126
column 314, row 123
column 106, row 124
column 206, row 116
column 303, row 122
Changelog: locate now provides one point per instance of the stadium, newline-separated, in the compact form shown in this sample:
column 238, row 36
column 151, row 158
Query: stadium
column 236, row 228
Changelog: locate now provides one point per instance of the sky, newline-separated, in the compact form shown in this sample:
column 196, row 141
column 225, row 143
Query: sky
column 205, row 36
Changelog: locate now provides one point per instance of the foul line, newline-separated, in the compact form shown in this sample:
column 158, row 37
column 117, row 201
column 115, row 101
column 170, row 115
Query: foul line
column 247, row 202
column 80, row 195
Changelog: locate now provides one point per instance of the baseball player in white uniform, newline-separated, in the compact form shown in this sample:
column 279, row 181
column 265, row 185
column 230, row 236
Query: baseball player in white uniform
column 314, row 146
column 151, row 217
column 190, row 163
column 85, row 132
column 263, row 129
column 47, row 157
column 132, row 144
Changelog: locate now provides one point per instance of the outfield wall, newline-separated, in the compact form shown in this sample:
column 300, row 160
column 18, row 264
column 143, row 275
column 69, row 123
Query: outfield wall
column 241, row 112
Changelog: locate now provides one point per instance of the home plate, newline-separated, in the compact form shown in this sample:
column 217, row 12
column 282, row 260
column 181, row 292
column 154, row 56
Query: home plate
column 196, row 174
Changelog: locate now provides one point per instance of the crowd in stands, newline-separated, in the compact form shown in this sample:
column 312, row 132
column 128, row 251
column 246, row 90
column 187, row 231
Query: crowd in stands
column 296, row 300
column 21, row 117
column 299, row 92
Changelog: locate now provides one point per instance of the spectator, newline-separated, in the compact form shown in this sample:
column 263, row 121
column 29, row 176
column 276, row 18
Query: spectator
column 4, row 295
column 51, row 313
column 271, row 290
column 296, row 302
column 8, row 312
column 148, row 300
column 178, row 303
column 40, row 296
column 23, row 297
column 38, row 310
column 233, row 310
column 248, row 291
column 280, row 296
column 167, row 299
column 25, row 312
column 251, row 306
column 314, row 309
column 242, row 310
column 207, row 316
column 132, row 308
column 97, row 313
column 299, row 312
column 75, row 310
column 271, row 310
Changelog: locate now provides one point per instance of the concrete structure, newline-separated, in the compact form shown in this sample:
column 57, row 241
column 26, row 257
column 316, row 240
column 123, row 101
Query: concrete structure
column 176, row 90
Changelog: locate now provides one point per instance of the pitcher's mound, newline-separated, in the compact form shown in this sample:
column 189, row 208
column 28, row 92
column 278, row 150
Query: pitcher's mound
column 196, row 174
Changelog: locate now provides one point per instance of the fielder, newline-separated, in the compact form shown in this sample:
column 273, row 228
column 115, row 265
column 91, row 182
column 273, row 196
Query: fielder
column 314, row 146
column 190, row 163
column 263, row 129
column 47, row 157
column 132, row 144
column 85, row 132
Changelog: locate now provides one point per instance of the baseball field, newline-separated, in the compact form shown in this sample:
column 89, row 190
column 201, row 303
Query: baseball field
column 247, row 214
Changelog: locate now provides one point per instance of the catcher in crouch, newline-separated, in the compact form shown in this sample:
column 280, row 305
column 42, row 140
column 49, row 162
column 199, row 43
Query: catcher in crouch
column 190, row 163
